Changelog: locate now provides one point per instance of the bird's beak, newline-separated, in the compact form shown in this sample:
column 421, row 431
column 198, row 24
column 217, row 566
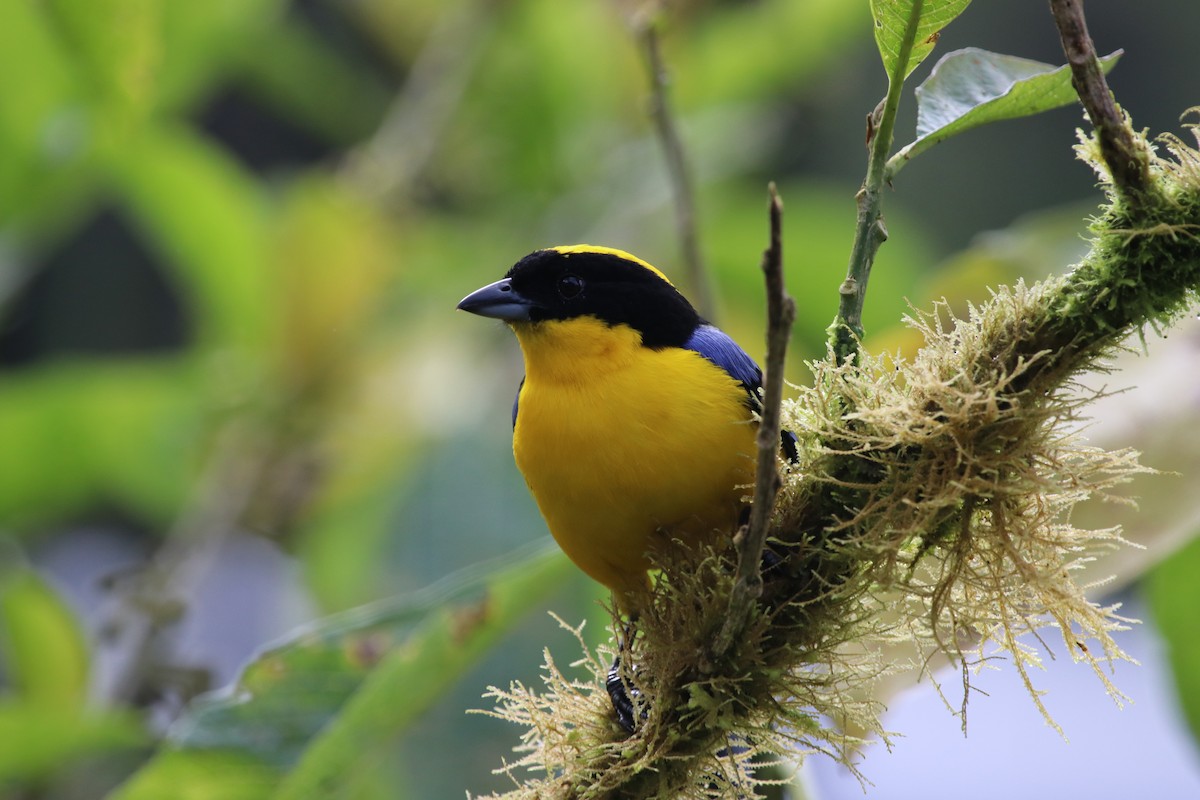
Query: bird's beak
column 499, row 301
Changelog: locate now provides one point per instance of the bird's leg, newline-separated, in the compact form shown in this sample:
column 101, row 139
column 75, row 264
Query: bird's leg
column 623, row 694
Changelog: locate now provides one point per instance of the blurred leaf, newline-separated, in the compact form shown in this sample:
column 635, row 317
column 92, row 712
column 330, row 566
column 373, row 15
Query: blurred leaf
column 140, row 55
column 346, row 532
column 517, row 147
column 1174, row 591
column 38, row 741
column 42, row 121
column 118, row 47
column 294, row 70
column 205, row 42
column 333, row 259
column 972, row 87
column 741, row 51
column 892, row 18
column 200, row 775
column 75, row 432
column 43, row 648
column 356, row 680
column 451, row 639
column 210, row 220
column 401, row 29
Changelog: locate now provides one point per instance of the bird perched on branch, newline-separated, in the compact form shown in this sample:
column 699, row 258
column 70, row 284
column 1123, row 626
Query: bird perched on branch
column 636, row 418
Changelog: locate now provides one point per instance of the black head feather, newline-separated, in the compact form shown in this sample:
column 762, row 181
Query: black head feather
column 568, row 283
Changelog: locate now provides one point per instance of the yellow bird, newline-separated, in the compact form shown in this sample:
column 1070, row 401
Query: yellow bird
column 636, row 418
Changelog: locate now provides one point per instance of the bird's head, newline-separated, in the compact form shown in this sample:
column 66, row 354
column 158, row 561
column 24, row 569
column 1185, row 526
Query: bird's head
column 565, row 283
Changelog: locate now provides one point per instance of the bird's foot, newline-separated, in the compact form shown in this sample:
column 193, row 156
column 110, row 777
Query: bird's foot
column 621, row 701
column 623, row 693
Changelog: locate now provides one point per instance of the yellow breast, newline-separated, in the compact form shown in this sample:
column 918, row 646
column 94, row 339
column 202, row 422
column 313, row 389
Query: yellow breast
column 618, row 442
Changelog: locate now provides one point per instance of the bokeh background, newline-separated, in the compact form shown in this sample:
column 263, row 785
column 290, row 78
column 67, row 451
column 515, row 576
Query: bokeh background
column 235, row 397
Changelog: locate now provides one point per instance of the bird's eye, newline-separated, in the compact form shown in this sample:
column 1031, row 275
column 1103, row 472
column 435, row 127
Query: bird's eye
column 570, row 286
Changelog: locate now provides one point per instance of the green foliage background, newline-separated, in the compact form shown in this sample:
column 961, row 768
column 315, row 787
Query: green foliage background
column 232, row 234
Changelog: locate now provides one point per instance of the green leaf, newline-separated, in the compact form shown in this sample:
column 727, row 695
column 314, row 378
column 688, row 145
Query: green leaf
column 45, row 654
column 359, row 678
column 409, row 679
column 39, row 741
column 906, row 31
column 972, row 87
column 200, row 775
column 1174, row 595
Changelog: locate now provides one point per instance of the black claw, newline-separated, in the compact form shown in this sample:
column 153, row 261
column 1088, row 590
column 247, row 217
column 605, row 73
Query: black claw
column 622, row 705
column 623, row 694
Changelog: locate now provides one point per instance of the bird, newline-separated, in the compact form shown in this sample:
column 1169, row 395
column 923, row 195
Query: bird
column 636, row 418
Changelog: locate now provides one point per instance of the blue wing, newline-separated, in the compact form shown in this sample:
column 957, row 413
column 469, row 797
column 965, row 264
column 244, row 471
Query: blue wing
column 715, row 345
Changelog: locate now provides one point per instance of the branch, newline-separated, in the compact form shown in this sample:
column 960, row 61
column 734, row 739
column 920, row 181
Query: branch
column 1127, row 160
column 145, row 606
column 750, row 540
column 682, row 188
column 870, row 232
column 389, row 163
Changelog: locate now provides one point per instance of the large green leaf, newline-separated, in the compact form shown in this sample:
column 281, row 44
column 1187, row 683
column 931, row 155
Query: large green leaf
column 347, row 686
column 972, row 87
column 906, row 31
column 1174, row 598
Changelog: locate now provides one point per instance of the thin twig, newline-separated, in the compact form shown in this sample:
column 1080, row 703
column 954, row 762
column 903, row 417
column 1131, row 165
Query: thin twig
column 1127, row 161
column 678, row 170
column 781, row 311
column 870, row 231
column 143, row 608
column 388, row 164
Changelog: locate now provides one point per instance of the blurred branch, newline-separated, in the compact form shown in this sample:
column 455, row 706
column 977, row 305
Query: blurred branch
column 678, row 170
column 1127, row 160
column 145, row 606
column 781, row 311
column 389, row 163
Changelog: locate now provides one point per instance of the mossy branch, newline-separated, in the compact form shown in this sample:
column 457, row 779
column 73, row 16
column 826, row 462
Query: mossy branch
column 1127, row 158
column 931, row 503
